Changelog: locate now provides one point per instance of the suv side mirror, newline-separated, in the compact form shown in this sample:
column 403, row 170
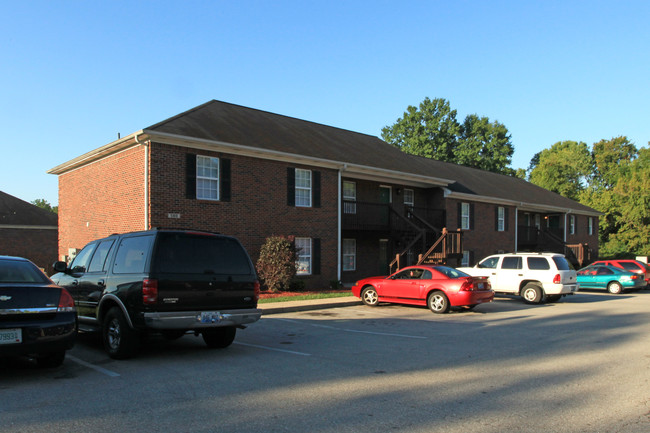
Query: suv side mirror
column 60, row 266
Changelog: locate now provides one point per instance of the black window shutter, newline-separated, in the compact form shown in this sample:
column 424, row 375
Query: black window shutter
column 291, row 186
column 460, row 215
column 315, row 265
column 471, row 216
column 471, row 258
column 506, row 212
column 575, row 225
column 224, row 171
column 496, row 218
column 190, row 175
column 316, row 189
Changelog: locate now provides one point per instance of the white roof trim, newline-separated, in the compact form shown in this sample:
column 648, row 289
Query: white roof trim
column 520, row 205
column 350, row 170
column 18, row 226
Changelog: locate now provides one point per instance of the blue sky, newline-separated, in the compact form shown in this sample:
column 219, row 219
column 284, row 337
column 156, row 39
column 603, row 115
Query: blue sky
column 74, row 74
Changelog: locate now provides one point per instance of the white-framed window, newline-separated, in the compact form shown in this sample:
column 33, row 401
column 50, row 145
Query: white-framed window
column 207, row 177
column 303, row 187
column 409, row 197
column 572, row 224
column 465, row 260
column 501, row 218
column 538, row 221
column 349, row 254
column 304, row 255
column 464, row 216
column 349, row 196
column 591, row 226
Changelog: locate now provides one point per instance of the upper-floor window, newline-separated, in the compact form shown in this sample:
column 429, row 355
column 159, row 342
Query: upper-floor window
column 207, row 177
column 409, row 197
column 303, row 188
column 349, row 197
column 572, row 224
column 304, row 253
column 465, row 217
column 591, row 226
column 501, row 218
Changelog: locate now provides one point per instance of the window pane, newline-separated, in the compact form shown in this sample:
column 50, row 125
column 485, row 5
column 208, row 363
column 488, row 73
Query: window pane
column 303, row 251
column 207, row 178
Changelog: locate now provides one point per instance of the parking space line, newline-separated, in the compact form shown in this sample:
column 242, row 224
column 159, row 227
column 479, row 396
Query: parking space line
column 356, row 331
column 92, row 366
column 272, row 348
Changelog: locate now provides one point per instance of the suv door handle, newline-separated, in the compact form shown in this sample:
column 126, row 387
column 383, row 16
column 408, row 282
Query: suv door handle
column 74, row 282
column 101, row 283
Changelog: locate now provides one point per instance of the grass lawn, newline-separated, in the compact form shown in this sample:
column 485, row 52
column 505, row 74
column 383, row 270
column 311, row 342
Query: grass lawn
column 266, row 297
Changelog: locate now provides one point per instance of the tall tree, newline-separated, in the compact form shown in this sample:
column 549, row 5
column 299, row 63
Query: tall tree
column 44, row 204
column 430, row 130
column 609, row 156
column 485, row 145
column 565, row 168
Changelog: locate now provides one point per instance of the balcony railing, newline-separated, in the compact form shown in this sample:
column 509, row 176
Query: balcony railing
column 378, row 216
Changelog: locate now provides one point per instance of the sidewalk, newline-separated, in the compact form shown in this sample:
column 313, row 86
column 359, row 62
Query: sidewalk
column 311, row 304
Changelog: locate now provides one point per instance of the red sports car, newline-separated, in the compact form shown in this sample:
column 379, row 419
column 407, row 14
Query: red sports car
column 437, row 287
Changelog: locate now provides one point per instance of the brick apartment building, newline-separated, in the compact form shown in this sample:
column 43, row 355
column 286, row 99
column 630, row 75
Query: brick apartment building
column 28, row 231
column 355, row 205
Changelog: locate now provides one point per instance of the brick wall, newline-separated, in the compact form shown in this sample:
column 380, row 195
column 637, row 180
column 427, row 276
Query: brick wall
column 37, row 245
column 257, row 208
column 483, row 239
column 103, row 197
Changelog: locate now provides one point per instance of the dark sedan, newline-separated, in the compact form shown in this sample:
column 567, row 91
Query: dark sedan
column 37, row 317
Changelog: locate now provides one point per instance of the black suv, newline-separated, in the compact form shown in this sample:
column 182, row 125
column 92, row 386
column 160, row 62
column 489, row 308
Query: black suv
column 165, row 281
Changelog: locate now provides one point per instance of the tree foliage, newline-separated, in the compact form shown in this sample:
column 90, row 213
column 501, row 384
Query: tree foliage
column 44, row 204
column 614, row 178
column 277, row 263
column 432, row 131
column 565, row 168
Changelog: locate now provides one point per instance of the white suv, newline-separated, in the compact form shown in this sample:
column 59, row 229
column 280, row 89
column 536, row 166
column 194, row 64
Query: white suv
column 534, row 276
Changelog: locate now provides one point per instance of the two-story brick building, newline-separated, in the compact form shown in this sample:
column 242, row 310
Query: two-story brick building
column 355, row 205
column 28, row 231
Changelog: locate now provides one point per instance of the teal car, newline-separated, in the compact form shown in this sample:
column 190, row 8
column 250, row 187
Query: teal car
column 615, row 280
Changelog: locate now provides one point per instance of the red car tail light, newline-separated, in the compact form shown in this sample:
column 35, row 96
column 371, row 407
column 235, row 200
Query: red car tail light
column 66, row 303
column 149, row 291
column 468, row 285
column 557, row 279
column 635, row 277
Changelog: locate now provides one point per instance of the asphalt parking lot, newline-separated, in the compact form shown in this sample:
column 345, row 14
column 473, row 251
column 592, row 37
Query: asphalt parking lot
column 580, row 365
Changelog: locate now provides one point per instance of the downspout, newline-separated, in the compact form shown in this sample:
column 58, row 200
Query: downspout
column 516, row 229
column 146, row 181
column 340, row 223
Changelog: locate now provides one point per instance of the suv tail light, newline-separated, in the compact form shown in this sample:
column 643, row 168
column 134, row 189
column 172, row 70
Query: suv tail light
column 557, row 279
column 256, row 290
column 149, row 291
column 66, row 303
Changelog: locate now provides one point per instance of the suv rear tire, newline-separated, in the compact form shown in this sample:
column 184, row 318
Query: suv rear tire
column 532, row 293
column 120, row 341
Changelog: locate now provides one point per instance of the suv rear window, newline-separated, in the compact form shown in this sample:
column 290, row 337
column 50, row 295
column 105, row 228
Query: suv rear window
column 562, row 263
column 630, row 266
column 538, row 263
column 182, row 253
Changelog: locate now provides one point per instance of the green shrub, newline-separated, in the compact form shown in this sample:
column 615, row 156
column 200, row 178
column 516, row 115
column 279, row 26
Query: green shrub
column 277, row 263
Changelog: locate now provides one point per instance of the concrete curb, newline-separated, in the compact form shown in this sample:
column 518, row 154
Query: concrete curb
column 308, row 305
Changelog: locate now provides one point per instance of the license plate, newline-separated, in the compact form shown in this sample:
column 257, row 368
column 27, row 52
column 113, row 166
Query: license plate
column 11, row 336
column 210, row 317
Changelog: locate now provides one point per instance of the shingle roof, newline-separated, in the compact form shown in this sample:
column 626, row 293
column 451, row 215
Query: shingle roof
column 229, row 123
column 16, row 212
